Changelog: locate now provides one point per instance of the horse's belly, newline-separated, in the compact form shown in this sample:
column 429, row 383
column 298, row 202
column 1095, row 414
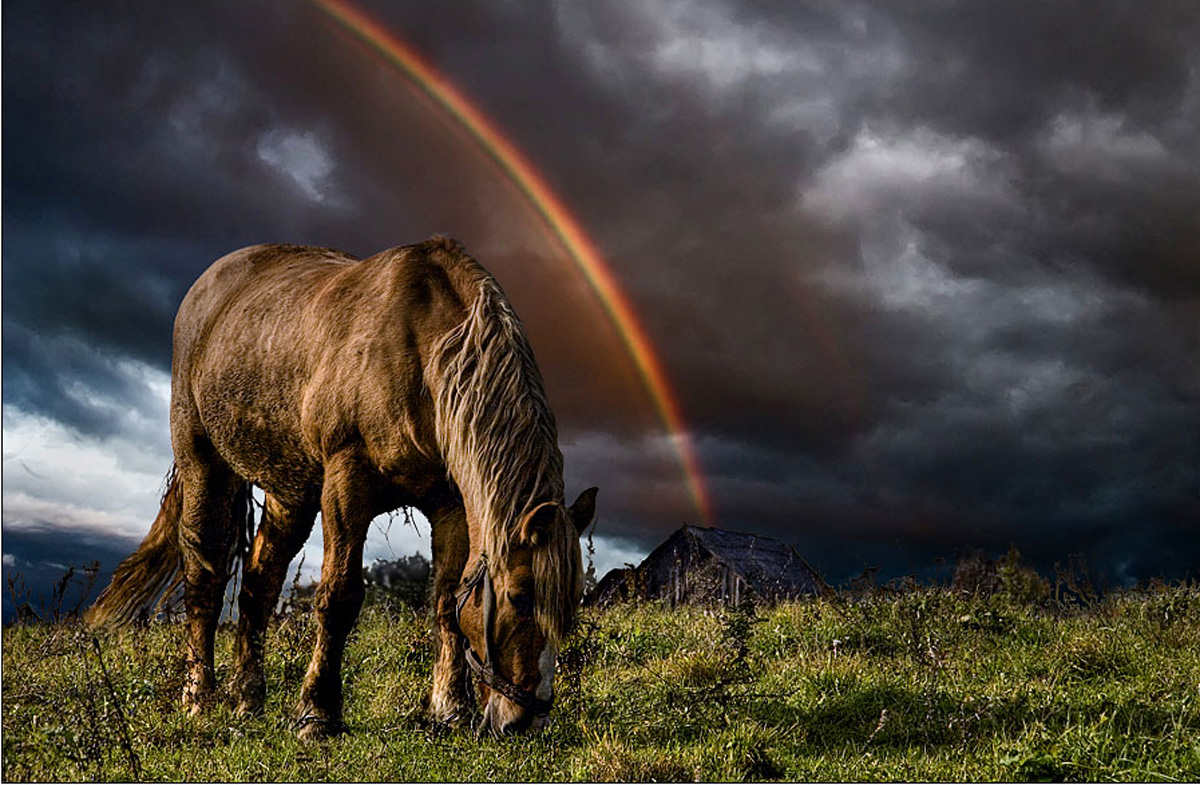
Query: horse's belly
column 256, row 430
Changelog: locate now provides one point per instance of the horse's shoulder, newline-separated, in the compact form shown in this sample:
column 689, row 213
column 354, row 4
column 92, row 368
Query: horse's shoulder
column 429, row 273
column 438, row 251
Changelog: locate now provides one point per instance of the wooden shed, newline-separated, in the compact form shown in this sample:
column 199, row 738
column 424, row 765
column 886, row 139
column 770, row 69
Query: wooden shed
column 700, row 565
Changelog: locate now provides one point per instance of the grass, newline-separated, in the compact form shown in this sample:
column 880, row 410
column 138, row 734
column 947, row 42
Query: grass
column 916, row 685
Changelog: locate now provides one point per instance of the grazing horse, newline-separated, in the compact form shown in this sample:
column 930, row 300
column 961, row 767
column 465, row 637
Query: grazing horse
column 352, row 388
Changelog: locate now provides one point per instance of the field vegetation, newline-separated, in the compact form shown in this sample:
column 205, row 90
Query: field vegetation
column 1015, row 682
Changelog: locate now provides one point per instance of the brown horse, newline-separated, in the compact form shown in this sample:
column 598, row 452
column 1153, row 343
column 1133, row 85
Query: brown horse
column 352, row 388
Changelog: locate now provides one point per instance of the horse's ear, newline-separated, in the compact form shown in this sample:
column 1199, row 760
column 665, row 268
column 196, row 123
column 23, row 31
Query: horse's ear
column 584, row 510
column 535, row 528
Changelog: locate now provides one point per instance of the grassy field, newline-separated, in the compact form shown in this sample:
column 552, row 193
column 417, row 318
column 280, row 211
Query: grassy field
column 920, row 685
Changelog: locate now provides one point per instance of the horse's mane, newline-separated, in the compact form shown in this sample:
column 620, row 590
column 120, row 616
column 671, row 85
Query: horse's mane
column 499, row 440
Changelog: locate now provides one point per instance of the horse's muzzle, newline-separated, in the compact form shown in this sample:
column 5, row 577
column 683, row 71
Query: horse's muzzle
column 501, row 717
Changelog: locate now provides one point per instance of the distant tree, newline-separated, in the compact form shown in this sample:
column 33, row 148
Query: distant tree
column 1020, row 581
column 978, row 576
column 405, row 579
column 975, row 575
column 589, row 577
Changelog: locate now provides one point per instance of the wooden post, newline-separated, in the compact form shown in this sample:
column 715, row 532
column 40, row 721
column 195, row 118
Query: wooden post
column 675, row 585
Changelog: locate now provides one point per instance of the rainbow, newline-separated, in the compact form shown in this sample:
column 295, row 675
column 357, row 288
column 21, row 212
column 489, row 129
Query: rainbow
column 557, row 218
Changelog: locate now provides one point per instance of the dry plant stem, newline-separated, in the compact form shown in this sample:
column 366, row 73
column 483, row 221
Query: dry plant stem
column 126, row 741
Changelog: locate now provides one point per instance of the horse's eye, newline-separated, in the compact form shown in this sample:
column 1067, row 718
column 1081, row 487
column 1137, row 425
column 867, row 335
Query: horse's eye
column 522, row 601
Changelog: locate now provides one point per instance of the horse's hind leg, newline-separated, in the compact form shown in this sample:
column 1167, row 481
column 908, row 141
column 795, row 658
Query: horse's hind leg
column 450, row 700
column 207, row 533
column 281, row 535
column 345, row 516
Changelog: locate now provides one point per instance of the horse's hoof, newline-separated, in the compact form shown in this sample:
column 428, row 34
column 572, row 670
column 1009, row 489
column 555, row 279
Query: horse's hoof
column 455, row 721
column 311, row 727
column 251, row 695
column 450, row 716
column 195, row 703
column 248, row 707
column 448, row 712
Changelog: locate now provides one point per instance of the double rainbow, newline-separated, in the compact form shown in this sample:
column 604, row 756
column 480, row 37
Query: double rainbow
column 558, row 219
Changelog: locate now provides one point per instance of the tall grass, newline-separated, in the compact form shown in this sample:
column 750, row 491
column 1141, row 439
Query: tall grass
column 911, row 683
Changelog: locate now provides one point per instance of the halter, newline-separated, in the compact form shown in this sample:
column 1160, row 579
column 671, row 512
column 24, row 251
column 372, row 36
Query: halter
column 482, row 579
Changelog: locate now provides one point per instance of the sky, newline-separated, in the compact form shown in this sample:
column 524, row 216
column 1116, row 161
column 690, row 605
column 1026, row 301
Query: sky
column 922, row 277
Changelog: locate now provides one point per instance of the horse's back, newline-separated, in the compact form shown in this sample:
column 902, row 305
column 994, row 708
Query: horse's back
column 261, row 276
column 324, row 284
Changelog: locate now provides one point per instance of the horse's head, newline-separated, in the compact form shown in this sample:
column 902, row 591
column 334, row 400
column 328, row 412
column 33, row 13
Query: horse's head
column 515, row 609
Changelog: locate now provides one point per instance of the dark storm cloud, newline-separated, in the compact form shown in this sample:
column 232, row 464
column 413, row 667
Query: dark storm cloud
column 130, row 142
column 73, row 383
column 1030, row 60
column 1006, row 214
column 36, row 558
column 1097, row 117
column 130, row 165
column 922, row 275
column 117, row 293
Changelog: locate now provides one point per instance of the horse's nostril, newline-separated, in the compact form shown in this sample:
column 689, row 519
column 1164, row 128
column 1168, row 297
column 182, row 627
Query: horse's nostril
column 518, row 725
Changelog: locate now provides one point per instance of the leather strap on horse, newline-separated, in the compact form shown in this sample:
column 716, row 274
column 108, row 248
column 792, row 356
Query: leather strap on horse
column 482, row 579
column 489, row 615
column 523, row 698
column 468, row 587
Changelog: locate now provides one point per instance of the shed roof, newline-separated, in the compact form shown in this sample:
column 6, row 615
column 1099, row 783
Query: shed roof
column 769, row 567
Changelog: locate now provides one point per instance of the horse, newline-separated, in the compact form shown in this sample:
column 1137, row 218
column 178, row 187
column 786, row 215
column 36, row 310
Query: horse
column 351, row 388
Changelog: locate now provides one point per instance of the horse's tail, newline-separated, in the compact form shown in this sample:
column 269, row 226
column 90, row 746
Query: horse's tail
column 149, row 576
column 149, row 572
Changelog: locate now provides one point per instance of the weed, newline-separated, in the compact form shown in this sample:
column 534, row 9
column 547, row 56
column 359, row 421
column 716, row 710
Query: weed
column 1076, row 588
column 1096, row 655
column 121, row 723
column 59, row 607
column 612, row 760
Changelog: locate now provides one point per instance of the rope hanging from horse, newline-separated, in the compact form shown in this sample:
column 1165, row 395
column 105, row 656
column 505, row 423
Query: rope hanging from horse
column 482, row 579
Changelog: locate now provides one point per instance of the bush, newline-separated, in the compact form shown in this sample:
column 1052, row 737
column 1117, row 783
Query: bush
column 404, row 580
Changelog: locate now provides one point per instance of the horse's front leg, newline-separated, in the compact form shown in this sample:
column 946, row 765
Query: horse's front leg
column 450, row 701
column 345, row 516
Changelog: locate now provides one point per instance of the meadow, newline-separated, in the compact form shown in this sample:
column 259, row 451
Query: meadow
column 905, row 684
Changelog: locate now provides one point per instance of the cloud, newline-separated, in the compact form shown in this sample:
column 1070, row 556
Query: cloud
column 54, row 474
column 303, row 159
column 80, row 387
column 701, row 41
column 200, row 112
column 919, row 171
column 1101, row 146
